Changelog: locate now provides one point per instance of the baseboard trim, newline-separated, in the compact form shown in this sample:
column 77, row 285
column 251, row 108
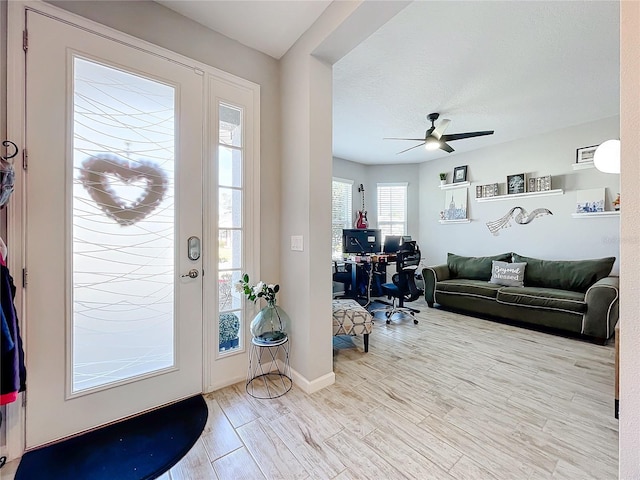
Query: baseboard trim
column 218, row 385
column 312, row 386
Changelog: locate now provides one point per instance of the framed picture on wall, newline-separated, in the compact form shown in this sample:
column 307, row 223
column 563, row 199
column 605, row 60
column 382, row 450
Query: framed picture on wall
column 460, row 174
column 515, row 183
column 585, row 154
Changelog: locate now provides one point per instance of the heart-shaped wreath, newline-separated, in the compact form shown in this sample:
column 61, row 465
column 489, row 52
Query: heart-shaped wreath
column 103, row 174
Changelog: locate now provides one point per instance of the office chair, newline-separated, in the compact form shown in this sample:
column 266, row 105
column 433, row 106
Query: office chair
column 342, row 274
column 404, row 288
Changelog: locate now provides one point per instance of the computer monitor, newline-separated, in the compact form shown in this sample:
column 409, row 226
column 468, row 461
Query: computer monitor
column 361, row 240
column 391, row 243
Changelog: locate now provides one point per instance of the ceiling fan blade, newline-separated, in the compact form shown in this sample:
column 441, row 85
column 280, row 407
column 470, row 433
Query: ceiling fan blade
column 446, row 147
column 460, row 136
column 440, row 129
column 396, row 138
column 419, row 145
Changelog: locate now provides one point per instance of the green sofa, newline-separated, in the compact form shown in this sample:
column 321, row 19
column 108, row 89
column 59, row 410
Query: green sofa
column 576, row 296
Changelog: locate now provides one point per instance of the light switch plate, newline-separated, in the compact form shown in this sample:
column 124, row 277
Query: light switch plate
column 297, row 243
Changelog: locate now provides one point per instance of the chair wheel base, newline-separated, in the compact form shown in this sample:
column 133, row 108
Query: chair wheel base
column 415, row 322
column 388, row 321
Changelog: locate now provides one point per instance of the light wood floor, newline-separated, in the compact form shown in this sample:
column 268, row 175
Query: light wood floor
column 453, row 397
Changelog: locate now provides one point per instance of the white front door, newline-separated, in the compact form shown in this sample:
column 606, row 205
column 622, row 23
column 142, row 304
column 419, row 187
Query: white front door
column 114, row 192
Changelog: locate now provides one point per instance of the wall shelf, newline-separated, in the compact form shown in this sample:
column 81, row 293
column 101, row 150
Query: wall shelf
column 582, row 165
column 464, row 220
column 448, row 186
column 596, row 214
column 547, row 193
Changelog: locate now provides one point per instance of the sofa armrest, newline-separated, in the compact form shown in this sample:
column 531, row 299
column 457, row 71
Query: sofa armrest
column 431, row 275
column 602, row 308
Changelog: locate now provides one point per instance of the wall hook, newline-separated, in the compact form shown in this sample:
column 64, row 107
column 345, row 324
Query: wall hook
column 7, row 144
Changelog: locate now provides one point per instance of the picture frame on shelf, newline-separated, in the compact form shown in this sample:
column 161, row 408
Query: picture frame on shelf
column 516, row 183
column 539, row 184
column 460, row 174
column 585, row 154
column 455, row 205
column 487, row 190
column 545, row 183
column 590, row 201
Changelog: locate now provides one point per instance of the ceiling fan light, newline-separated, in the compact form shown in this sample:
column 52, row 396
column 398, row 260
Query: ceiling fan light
column 606, row 158
column 432, row 144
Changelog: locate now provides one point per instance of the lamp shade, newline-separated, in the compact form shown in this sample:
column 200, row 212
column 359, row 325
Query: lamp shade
column 606, row 158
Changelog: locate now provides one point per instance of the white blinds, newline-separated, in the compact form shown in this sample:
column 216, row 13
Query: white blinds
column 341, row 212
column 392, row 208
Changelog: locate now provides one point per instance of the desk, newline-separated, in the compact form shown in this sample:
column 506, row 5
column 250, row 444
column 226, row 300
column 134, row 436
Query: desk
column 362, row 268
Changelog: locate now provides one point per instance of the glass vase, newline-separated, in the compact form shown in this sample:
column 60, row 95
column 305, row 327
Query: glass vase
column 270, row 325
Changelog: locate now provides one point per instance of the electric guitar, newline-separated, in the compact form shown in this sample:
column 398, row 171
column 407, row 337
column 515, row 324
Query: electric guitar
column 361, row 216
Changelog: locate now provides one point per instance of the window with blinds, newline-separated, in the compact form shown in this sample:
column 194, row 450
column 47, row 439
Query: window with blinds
column 341, row 212
column 392, row 208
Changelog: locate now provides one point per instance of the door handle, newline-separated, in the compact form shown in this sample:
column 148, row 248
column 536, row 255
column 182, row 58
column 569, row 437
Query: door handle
column 193, row 273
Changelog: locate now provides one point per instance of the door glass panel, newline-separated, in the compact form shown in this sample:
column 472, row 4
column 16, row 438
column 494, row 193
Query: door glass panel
column 230, row 208
column 230, row 249
column 123, row 225
column 230, row 125
column 229, row 297
column 230, row 167
column 230, row 258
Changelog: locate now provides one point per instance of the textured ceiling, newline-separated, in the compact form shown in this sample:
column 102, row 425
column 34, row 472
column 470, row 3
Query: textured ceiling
column 519, row 68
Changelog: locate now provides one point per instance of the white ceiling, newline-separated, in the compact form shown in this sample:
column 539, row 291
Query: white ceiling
column 269, row 26
column 521, row 68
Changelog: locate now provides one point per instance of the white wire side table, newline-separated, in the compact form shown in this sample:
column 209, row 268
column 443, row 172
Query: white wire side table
column 269, row 373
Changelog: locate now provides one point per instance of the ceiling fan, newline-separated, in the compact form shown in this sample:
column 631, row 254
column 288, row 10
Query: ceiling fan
column 434, row 138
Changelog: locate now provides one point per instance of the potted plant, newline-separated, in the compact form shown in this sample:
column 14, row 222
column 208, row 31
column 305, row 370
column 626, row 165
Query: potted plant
column 271, row 323
column 443, row 179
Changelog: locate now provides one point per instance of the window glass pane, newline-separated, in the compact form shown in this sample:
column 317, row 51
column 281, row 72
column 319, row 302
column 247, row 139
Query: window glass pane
column 231, row 303
column 123, row 225
column 230, row 208
column 392, row 209
column 229, row 249
column 230, row 131
column 229, row 331
column 341, row 213
column 229, row 167
column 228, row 298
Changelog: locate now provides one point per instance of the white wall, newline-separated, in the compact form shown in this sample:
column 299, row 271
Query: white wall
column 306, row 192
column 630, row 280
column 370, row 175
column 557, row 236
column 306, row 186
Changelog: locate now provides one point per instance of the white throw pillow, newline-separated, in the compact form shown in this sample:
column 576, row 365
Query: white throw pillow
column 507, row 274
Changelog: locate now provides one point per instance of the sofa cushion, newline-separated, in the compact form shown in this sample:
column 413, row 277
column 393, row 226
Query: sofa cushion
column 473, row 268
column 575, row 275
column 507, row 274
column 464, row 286
column 545, row 298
